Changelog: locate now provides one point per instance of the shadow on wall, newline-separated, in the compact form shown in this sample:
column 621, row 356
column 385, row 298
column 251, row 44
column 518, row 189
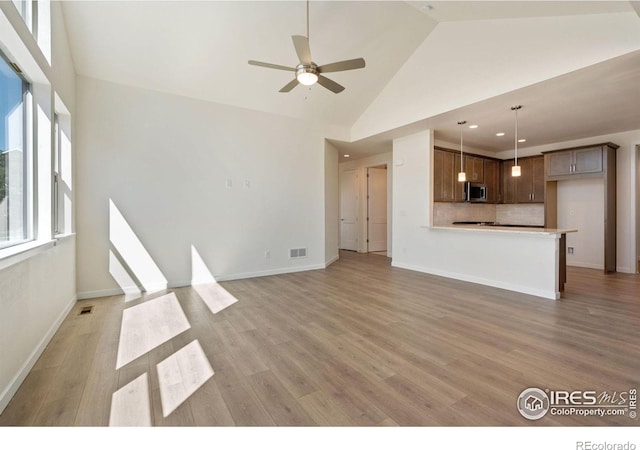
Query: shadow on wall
column 154, row 321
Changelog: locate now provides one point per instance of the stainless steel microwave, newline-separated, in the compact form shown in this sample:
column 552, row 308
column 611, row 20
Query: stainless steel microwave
column 475, row 192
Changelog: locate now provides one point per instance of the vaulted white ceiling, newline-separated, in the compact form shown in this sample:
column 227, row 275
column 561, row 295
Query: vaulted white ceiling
column 200, row 49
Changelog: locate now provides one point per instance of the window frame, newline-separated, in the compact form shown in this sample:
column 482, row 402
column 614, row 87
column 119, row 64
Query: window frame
column 28, row 160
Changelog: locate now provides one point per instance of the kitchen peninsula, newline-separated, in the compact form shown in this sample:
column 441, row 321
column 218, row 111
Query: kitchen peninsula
column 530, row 260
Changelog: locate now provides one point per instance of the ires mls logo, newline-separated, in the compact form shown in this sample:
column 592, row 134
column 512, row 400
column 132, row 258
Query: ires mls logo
column 534, row 403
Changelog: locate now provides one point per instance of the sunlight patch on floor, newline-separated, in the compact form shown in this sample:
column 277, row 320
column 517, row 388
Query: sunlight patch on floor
column 130, row 406
column 148, row 325
column 215, row 296
column 182, row 374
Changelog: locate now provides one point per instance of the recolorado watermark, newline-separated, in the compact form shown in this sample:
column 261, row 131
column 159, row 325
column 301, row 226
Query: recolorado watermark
column 588, row 445
column 535, row 403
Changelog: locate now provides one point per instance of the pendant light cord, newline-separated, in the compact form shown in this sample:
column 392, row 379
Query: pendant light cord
column 516, row 141
column 516, row 108
column 461, row 123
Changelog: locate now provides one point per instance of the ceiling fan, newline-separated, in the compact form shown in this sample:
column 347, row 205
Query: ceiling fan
column 307, row 72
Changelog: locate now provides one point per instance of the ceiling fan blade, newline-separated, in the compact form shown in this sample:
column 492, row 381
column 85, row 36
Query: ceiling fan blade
column 342, row 65
column 271, row 66
column 330, row 84
column 290, row 85
column 301, row 44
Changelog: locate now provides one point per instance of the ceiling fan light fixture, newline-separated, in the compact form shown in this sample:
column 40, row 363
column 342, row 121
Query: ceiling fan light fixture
column 307, row 75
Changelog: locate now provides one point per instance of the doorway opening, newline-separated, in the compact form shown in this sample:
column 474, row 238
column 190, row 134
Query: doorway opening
column 377, row 200
column 637, row 208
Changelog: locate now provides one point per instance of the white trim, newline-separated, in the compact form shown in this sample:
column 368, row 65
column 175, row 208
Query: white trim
column 551, row 295
column 230, row 277
column 17, row 380
column 625, row 270
column 331, row 261
column 63, row 236
column 18, row 253
column 584, row 265
column 266, row 273
column 100, row 293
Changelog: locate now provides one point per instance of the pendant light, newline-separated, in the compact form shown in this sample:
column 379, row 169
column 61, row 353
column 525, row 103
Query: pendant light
column 462, row 176
column 516, row 170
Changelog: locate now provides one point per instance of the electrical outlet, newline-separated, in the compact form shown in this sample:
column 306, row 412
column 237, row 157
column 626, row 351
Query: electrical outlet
column 570, row 250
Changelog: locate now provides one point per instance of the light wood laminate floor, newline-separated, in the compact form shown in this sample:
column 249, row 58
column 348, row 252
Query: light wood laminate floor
column 358, row 344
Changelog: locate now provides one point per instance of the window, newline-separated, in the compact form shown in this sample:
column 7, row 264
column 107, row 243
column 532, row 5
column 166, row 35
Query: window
column 28, row 11
column 62, row 172
column 15, row 167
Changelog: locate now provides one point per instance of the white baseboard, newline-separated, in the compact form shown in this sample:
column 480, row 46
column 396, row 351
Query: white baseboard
column 230, row 277
column 331, row 261
column 551, row 295
column 266, row 273
column 101, row 293
column 584, row 265
column 17, row 380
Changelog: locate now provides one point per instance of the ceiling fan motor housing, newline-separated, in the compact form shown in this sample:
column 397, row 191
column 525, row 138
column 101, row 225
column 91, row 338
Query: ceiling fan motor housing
column 307, row 74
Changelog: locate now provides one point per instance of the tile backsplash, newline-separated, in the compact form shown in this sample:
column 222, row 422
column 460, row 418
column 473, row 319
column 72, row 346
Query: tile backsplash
column 446, row 213
column 521, row 214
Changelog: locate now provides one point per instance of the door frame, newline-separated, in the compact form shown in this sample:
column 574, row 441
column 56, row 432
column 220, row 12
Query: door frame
column 637, row 202
column 362, row 165
column 366, row 205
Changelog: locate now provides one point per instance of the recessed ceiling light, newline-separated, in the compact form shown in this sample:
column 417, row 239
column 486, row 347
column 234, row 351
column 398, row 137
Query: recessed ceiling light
column 473, row 126
column 346, row 156
column 522, row 140
column 499, row 134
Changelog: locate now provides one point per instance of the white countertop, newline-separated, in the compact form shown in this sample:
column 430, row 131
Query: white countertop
column 512, row 230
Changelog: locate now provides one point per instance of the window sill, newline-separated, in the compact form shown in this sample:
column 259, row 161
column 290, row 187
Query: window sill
column 21, row 252
column 63, row 236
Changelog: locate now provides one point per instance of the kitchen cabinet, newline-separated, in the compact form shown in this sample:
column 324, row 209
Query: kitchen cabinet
column 578, row 161
column 474, row 170
column 592, row 161
column 446, row 166
column 444, row 176
column 492, row 180
column 529, row 186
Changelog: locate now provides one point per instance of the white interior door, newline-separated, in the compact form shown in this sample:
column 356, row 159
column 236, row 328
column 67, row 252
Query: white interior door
column 349, row 210
column 377, row 209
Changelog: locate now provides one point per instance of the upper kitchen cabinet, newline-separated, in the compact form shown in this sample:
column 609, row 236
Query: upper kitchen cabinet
column 527, row 188
column 478, row 169
column 474, row 167
column 580, row 161
column 444, row 176
column 492, row 180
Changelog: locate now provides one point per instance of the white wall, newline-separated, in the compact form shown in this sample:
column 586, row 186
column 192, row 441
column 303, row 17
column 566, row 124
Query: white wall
column 361, row 166
column 626, row 191
column 37, row 288
column 165, row 161
column 491, row 57
column 581, row 206
column 331, row 203
column 522, row 263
